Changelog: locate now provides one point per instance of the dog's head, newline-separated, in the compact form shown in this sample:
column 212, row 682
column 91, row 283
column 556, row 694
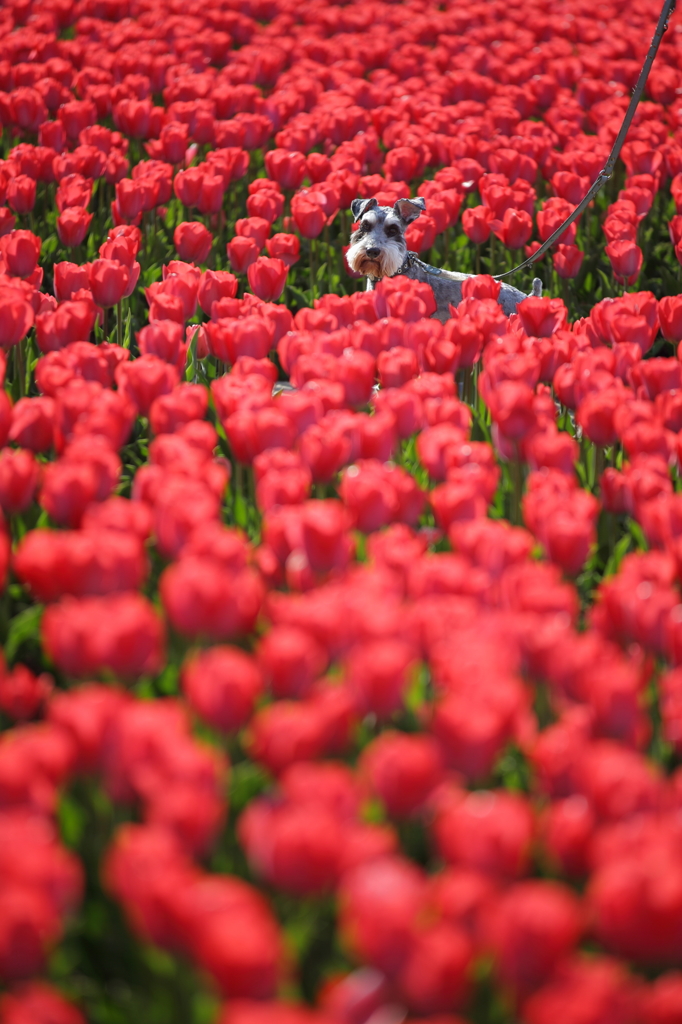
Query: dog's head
column 377, row 246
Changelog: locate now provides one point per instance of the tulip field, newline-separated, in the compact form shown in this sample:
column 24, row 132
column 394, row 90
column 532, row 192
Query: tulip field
column 342, row 671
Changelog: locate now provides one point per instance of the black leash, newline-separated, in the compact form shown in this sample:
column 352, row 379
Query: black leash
column 668, row 8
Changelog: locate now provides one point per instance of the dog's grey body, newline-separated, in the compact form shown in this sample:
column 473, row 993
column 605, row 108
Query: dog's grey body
column 378, row 249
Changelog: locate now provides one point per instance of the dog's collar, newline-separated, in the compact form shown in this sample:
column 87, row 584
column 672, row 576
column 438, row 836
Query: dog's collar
column 412, row 260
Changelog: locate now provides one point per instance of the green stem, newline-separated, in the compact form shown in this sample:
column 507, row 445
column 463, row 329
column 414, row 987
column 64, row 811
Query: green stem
column 329, row 266
column 611, row 527
column 517, row 487
column 119, row 323
column 28, row 352
column 313, row 275
column 19, row 381
column 221, row 238
column 250, row 486
column 191, row 368
column 587, row 456
column 599, row 461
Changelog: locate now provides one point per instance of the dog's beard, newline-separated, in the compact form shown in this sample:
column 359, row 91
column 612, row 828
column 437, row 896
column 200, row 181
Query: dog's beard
column 387, row 263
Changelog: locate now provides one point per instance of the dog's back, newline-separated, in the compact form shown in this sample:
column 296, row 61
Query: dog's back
column 447, row 288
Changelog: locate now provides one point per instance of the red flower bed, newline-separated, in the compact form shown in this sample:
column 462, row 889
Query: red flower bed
column 342, row 677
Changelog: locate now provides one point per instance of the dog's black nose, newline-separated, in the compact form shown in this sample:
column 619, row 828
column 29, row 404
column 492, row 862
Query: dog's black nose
column 373, row 253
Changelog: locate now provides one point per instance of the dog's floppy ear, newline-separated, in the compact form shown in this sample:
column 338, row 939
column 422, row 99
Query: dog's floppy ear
column 409, row 209
column 359, row 207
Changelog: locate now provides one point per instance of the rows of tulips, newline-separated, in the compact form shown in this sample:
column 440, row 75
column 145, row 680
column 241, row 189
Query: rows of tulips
column 342, row 675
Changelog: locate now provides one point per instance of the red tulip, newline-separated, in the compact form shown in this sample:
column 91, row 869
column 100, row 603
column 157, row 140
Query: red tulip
column 19, row 474
column 108, row 280
column 21, row 250
column 29, row 110
column 119, row 633
column 74, row 190
column 72, row 226
column 16, row 317
column 265, row 204
column 222, row 686
column 242, row 252
column 542, row 317
column 626, row 260
column 541, row 917
column 193, row 241
column 211, row 193
column 33, row 423
column 69, row 278
column 402, row 164
column 594, row 988
column 380, row 905
column 287, row 167
column 174, row 140
column 130, row 199
column 670, row 315
column 7, row 221
column 202, row 598
column 215, row 285
column 308, row 214
column 21, row 193
column 121, row 249
column 291, row 660
column 256, row 228
column 144, row 379
column 514, row 229
column 616, row 229
column 476, row 223
column 164, row 339
column 72, row 321
column 319, row 166
column 267, row 278
column 421, row 235
column 570, row 186
column 284, row 247
column 551, row 216
column 402, row 770
column 132, row 117
column 568, row 259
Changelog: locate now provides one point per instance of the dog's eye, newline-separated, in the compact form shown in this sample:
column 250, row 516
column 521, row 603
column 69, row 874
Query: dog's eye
column 392, row 231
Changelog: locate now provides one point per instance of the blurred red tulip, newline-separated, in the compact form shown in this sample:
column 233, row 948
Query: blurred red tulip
column 567, row 260
column 284, row 247
column 514, row 229
column 287, row 167
column 267, row 278
column 670, row 315
column 108, row 281
column 552, row 215
column 242, row 253
column 308, row 215
column 16, row 317
column 215, row 285
column 21, row 250
column 21, row 194
column 73, row 225
column 626, row 260
column 193, row 241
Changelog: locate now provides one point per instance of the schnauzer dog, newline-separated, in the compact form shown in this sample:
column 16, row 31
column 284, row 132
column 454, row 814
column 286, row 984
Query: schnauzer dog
column 378, row 249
